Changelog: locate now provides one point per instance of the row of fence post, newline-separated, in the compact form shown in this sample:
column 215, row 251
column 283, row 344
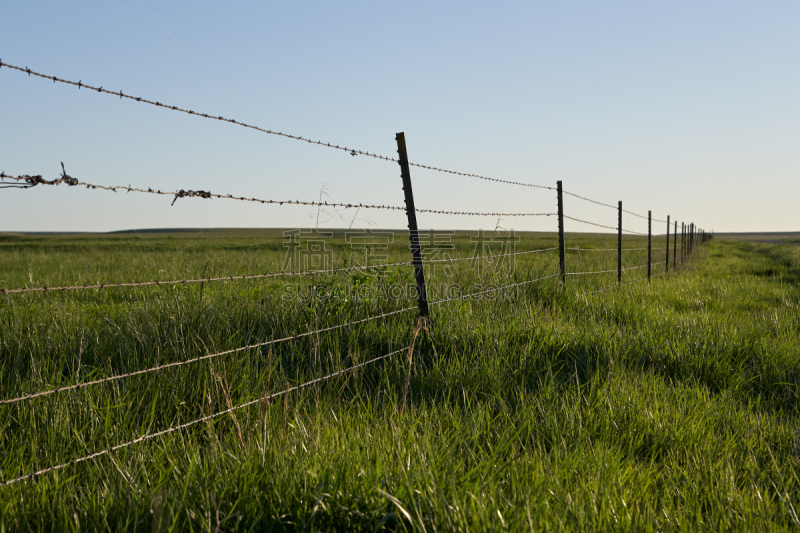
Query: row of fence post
column 689, row 234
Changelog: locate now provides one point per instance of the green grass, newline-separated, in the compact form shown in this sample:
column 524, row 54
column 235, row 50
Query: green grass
column 664, row 406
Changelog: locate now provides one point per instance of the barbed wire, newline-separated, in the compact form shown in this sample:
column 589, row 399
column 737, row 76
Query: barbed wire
column 652, row 219
column 576, row 249
column 351, row 151
column 32, row 181
column 493, row 289
column 604, row 226
column 198, row 420
column 196, row 359
column 613, row 270
column 500, row 256
column 332, row 271
column 201, row 280
column 522, row 184
column 588, row 273
column 615, row 207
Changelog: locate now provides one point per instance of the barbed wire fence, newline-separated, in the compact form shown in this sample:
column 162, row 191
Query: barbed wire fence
column 690, row 236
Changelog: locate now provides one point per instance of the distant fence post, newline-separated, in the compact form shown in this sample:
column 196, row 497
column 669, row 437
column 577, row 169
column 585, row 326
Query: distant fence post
column 675, row 246
column 619, row 243
column 561, row 262
column 666, row 264
column 413, row 231
column 688, row 248
column 649, row 243
column 683, row 242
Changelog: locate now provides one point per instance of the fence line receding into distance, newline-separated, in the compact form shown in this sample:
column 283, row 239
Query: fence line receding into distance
column 690, row 237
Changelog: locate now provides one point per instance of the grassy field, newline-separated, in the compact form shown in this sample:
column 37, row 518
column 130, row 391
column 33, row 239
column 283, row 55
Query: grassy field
column 669, row 405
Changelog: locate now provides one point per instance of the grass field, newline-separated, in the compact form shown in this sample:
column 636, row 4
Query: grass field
column 664, row 406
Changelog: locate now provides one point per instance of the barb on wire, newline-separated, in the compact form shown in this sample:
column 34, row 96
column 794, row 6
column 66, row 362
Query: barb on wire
column 609, row 206
column 172, row 429
column 350, row 151
column 28, row 181
column 196, row 359
column 37, row 180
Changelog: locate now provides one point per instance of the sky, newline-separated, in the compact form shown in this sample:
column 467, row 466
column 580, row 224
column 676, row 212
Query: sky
column 688, row 109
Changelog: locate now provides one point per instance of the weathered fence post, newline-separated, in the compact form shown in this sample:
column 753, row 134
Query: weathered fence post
column 619, row 244
column 666, row 263
column 413, row 231
column 561, row 262
column 649, row 243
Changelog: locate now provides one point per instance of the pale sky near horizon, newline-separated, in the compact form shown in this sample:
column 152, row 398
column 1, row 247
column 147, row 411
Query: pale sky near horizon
column 684, row 108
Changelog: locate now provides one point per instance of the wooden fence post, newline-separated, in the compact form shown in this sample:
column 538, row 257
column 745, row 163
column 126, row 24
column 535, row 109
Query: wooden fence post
column 561, row 262
column 413, row 231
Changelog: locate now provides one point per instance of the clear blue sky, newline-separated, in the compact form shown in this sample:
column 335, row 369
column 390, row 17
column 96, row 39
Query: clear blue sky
column 685, row 108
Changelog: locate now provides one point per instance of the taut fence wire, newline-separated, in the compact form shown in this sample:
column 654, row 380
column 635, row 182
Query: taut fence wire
column 165, row 366
column 330, row 272
column 350, row 151
column 603, row 226
column 173, row 429
column 32, row 181
column 578, row 196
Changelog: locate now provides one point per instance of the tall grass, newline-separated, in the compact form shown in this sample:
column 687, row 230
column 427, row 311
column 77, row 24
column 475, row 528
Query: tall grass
column 669, row 405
